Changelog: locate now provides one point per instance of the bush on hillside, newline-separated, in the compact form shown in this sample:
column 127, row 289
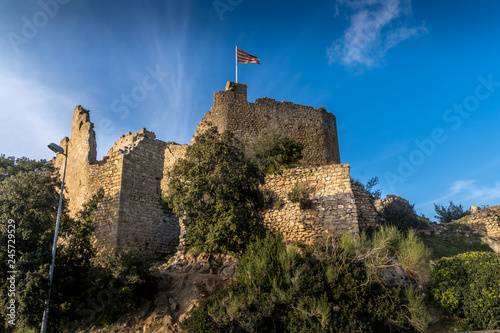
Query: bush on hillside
column 389, row 247
column 468, row 286
column 398, row 212
column 450, row 213
column 120, row 281
column 323, row 288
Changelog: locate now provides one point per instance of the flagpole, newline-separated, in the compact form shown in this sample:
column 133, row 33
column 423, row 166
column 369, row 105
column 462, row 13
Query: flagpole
column 236, row 63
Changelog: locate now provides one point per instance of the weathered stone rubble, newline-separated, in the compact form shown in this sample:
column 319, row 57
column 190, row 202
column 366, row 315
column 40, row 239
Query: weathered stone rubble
column 486, row 222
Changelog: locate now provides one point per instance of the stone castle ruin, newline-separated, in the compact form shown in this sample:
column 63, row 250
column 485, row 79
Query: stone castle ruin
column 134, row 175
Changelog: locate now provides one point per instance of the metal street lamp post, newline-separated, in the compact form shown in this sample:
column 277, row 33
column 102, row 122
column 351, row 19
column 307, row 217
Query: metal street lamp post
column 58, row 150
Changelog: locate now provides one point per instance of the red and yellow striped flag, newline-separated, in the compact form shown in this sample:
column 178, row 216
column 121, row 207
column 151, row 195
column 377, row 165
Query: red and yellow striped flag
column 245, row 58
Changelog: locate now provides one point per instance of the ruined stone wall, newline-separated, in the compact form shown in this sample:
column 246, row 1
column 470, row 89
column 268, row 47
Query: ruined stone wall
column 107, row 174
column 173, row 152
column 333, row 211
column 487, row 220
column 315, row 128
column 367, row 214
column 82, row 151
column 131, row 176
column 143, row 223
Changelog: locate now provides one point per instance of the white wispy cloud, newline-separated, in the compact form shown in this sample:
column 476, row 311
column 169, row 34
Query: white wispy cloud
column 468, row 193
column 30, row 117
column 375, row 27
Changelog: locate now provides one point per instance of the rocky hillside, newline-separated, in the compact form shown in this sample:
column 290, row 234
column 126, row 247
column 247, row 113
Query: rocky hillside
column 486, row 222
column 181, row 284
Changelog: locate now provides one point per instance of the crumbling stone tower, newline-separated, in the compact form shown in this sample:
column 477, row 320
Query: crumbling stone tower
column 131, row 213
column 316, row 129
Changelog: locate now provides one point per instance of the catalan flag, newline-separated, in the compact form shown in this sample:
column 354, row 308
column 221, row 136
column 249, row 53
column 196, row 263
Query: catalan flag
column 245, row 58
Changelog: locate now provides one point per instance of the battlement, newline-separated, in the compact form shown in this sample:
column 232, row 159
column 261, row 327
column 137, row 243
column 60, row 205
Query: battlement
column 128, row 141
column 316, row 129
column 239, row 89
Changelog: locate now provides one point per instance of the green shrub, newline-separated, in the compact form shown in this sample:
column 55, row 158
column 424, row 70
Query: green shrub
column 414, row 256
column 272, row 150
column 450, row 213
column 401, row 214
column 121, row 276
column 387, row 247
column 216, row 188
column 268, row 198
column 369, row 188
column 282, row 288
column 468, row 286
column 300, row 194
column 278, row 204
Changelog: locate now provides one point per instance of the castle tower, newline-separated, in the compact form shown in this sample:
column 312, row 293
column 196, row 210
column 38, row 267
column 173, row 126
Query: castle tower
column 82, row 151
column 316, row 129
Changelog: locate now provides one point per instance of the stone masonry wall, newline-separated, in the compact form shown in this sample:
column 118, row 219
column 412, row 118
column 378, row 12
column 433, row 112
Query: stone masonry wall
column 487, row 220
column 173, row 152
column 143, row 223
column 367, row 214
column 131, row 176
column 333, row 210
column 315, row 128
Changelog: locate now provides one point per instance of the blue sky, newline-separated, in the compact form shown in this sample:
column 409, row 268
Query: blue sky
column 415, row 85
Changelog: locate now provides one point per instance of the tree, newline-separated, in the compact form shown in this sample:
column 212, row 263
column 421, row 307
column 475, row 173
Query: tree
column 216, row 188
column 272, row 150
column 369, row 187
column 11, row 166
column 450, row 213
column 28, row 196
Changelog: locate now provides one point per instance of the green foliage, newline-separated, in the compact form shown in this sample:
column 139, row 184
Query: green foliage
column 468, row 286
column 11, row 166
column 300, row 194
column 216, row 189
column 323, row 288
column 389, row 247
column 74, row 264
column 28, row 196
column 401, row 214
column 268, row 198
column 414, row 256
column 273, row 151
column 450, row 213
column 121, row 276
column 278, row 204
column 369, row 188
